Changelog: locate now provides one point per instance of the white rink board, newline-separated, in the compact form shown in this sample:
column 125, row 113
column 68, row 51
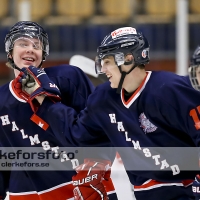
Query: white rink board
column 121, row 182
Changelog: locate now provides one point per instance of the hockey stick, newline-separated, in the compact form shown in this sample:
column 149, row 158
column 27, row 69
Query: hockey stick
column 87, row 65
column 84, row 63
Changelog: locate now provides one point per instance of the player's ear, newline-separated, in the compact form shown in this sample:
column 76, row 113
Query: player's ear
column 10, row 55
column 128, row 58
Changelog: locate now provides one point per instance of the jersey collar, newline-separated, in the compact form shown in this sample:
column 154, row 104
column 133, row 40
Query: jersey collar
column 137, row 93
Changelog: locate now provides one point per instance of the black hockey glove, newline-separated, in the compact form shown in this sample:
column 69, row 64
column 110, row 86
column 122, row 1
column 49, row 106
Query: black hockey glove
column 35, row 82
column 196, row 187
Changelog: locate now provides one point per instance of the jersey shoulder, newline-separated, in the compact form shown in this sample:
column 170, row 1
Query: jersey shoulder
column 63, row 70
column 4, row 90
column 69, row 76
column 99, row 98
column 167, row 81
column 169, row 87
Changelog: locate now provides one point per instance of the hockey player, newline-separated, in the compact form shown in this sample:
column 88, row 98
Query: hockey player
column 194, row 75
column 27, row 44
column 136, row 109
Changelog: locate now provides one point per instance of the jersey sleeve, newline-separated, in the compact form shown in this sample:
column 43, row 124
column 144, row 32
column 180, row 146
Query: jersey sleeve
column 79, row 129
column 179, row 110
column 74, row 85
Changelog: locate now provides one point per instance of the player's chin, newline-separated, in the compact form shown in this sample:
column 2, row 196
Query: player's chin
column 112, row 85
column 28, row 63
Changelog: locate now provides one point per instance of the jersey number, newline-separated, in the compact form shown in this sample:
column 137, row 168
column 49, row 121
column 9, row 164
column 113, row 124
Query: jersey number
column 194, row 115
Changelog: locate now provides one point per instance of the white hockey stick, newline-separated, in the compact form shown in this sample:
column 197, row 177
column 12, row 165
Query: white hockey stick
column 84, row 63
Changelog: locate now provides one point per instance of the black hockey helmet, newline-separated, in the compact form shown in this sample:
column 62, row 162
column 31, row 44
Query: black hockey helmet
column 121, row 42
column 195, row 59
column 27, row 29
column 194, row 65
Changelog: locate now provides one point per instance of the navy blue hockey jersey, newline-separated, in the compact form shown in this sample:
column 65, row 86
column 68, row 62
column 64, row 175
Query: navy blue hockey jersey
column 163, row 112
column 17, row 131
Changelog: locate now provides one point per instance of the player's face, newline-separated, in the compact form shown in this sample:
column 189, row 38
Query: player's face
column 198, row 74
column 27, row 52
column 111, row 70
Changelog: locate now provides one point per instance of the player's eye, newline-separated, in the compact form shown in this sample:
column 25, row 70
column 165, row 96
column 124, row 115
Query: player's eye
column 104, row 62
column 37, row 46
column 23, row 45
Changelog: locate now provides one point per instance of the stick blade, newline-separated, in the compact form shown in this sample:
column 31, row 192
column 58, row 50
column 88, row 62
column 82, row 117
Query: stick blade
column 84, row 63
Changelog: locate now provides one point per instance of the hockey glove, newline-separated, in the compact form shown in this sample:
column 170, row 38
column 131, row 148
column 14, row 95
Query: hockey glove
column 35, row 83
column 88, row 181
column 196, row 187
column 17, row 87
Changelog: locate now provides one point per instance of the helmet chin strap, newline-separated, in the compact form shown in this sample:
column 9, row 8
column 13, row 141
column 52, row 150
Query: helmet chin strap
column 40, row 65
column 129, row 62
column 11, row 64
column 123, row 74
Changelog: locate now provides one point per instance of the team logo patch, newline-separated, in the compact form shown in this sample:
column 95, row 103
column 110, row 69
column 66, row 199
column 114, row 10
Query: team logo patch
column 123, row 31
column 145, row 53
column 146, row 125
